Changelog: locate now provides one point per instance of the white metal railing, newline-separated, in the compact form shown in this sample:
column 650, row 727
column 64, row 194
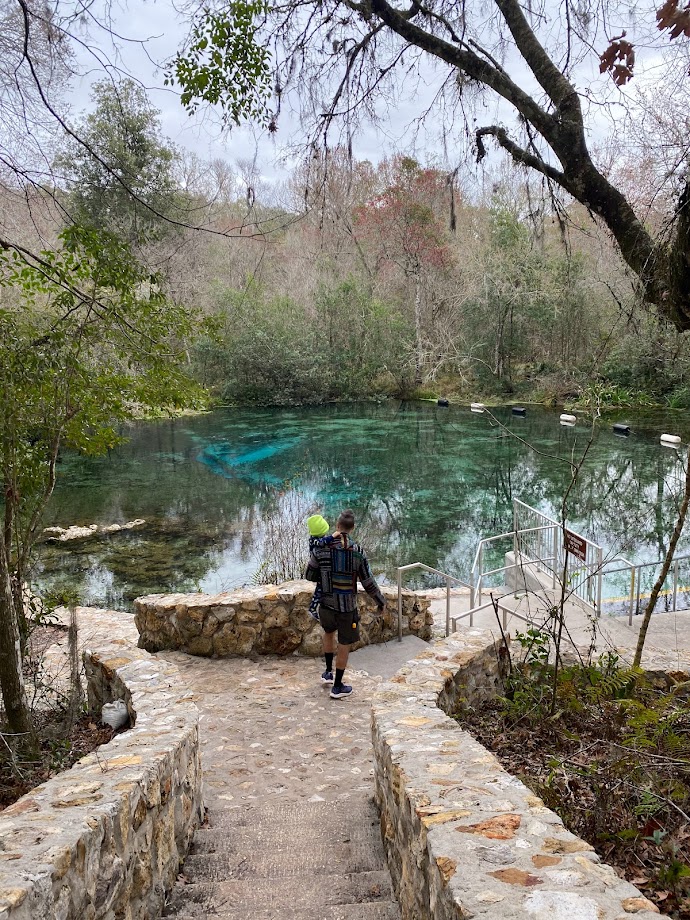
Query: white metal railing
column 478, row 573
column 583, row 576
column 635, row 570
column 542, row 547
column 497, row 605
column 427, row 568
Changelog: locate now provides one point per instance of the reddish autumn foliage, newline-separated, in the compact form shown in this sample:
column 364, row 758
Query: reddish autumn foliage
column 619, row 57
column 401, row 223
column 619, row 50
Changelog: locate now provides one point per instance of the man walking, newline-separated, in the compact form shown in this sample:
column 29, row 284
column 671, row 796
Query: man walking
column 336, row 568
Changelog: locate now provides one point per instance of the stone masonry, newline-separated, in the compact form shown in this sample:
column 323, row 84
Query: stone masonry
column 288, row 777
column 464, row 837
column 105, row 840
column 267, row 620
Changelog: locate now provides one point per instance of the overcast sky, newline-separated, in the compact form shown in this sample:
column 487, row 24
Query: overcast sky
column 163, row 30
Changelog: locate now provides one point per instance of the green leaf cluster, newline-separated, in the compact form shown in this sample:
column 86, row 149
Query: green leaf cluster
column 120, row 176
column 226, row 64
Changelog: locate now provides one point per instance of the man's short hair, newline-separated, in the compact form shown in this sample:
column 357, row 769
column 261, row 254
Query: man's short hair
column 346, row 520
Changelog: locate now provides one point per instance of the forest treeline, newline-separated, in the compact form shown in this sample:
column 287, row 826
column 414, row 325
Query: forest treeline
column 355, row 280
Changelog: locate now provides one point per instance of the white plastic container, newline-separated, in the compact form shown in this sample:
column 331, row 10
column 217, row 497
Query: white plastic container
column 477, row 407
column 568, row 419
column 115, row 714
column 670, row 439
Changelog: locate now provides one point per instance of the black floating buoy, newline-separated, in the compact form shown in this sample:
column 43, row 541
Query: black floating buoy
column 620, row 428
column 442, row 402
column 518, row 410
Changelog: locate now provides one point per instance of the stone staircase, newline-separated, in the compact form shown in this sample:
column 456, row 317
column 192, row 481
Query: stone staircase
column 301, row 861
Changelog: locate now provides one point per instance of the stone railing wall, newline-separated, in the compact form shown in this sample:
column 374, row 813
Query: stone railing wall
column 465, row 838
column 105, row 839
column 267, row 620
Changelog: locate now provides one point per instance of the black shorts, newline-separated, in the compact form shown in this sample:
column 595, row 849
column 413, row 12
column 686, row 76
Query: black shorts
column 347, row 624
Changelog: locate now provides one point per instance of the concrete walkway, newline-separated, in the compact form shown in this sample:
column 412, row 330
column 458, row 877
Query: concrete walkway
column 667, row 646
column 292, row 832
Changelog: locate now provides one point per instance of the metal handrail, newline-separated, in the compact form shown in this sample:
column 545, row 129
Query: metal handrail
column 640, row 565
column 502, row 607
column 595, row 569
column 427, row 568
column 502, row 536
column 477, row 595
column 635, row 569
column 587, row 590
column 478, row 556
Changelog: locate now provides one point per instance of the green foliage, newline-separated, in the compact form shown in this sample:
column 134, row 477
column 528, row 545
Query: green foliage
column 527, row 689
column 606, row 394
column 651, row 359
column 225, row 64
column 679, row 398
column 59, row 754
column 271, row 350
column 531, row 315
column 120, row 178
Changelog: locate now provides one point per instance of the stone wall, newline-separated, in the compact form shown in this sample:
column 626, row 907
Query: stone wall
column 267, row 620
column 104, row 840
column 465, row 838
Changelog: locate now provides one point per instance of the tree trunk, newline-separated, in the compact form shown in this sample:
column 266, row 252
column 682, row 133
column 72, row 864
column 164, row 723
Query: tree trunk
column 419, row 348
column 649, row 610
column 76, row 691
column 11, row 678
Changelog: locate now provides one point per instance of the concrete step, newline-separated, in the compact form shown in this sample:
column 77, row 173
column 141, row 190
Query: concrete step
column 306, row 861
column 246, row 841
column 283, row 818
column 249, row 897
column 384, row 910
column 300, row 859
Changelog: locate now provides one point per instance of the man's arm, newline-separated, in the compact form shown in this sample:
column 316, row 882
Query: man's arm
column 369, row 582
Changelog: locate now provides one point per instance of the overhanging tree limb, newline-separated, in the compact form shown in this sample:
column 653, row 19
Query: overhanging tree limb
column 469, row 63
column 564, row 132
column 519, row 154
column 556, row 86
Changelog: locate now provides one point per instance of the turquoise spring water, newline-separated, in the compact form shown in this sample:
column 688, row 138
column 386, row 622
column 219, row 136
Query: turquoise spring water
column 426, row 484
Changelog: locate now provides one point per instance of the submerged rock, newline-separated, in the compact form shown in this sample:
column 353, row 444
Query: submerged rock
column 76, row 532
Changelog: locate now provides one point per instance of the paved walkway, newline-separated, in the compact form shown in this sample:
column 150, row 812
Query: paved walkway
column 269, row 730
column 667, row 646
column 288, row 784
column 292, row 832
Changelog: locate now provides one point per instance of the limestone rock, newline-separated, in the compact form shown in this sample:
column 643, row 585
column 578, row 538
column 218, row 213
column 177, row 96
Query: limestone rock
column 272, row 619
column 561, row 905
column 635, row 905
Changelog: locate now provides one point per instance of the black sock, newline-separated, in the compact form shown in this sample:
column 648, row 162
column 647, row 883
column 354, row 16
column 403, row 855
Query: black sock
column 339, row 674
column 329, row 660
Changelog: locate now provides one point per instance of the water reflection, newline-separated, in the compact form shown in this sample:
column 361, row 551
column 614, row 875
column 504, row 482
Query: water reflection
column 426, row 483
